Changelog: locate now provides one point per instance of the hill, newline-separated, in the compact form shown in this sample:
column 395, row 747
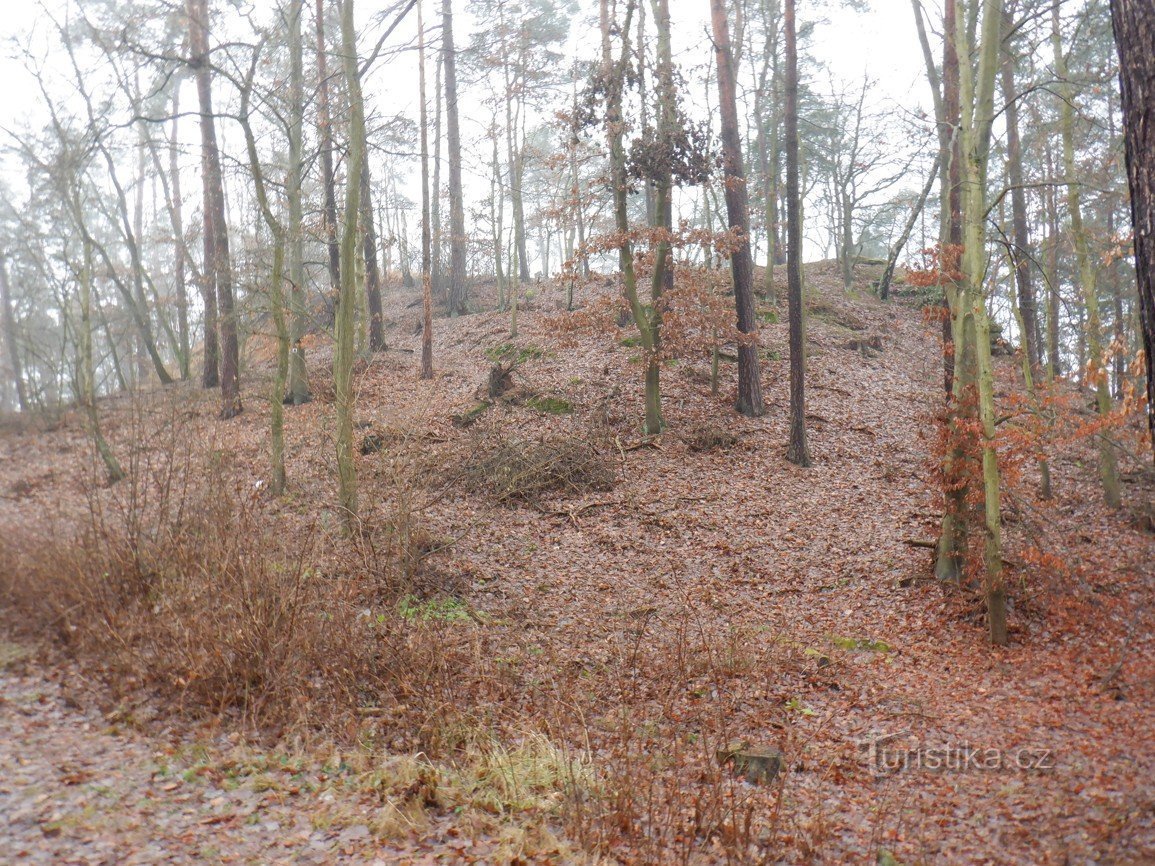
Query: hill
column 558, row 640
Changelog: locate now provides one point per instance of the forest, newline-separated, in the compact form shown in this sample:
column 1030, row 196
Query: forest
column 559, row 431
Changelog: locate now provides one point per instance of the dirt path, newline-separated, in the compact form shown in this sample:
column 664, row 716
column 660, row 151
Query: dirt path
column 77, row 788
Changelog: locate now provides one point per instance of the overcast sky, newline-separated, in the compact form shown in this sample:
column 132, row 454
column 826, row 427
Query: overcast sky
column 881, row 44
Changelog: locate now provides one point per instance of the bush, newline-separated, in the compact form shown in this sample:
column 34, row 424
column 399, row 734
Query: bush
column 178, row 582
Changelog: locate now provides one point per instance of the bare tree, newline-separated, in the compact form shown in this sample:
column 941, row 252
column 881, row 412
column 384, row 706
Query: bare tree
column 738, row 215
column 797, row 452
column 217, row 259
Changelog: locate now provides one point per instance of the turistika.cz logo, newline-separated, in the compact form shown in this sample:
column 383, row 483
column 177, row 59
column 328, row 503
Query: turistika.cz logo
column 885, row 758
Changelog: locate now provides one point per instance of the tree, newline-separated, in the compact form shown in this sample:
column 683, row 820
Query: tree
column 1022, row 256
column 9, row 323
column 426, row 241
column 797, row 452
column 976, row 95
column 276, row 287
column 298, row 387
column 347, row 298
column 1108, row 470
column 1134, row 26
column 458, row 291
column 217, row 259
column 328, row 174
column 741, row 263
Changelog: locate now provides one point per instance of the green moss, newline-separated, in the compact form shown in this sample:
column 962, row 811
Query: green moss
column 550, row 405
column 510, row 352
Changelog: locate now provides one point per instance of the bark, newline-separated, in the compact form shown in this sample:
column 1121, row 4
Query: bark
column 976, row 89
column 1022, row 259
column 10, row 336
column 214, row 197
column 180, row 251
column 1134, row 26
column 372, row 268
column 738, row 215
column 328, row 175
column 1108, row 468
column 347, row 299
column 797, row 452
column 298, row 386
column 426, row 240
column 458, row 291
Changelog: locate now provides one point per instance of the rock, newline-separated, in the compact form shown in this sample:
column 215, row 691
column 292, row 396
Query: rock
column 872, row 343
column 759, row 765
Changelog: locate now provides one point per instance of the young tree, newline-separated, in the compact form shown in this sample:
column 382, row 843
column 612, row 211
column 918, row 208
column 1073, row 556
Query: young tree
column 797, row 452
column 280, row 237
column 738, row 214
column 87, row 389
column 1134, row 27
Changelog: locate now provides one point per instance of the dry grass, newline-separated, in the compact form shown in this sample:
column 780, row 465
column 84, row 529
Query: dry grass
column 181, row 582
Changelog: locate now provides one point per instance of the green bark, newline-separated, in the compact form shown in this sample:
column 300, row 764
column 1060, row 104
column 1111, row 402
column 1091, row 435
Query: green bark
column 977, row 99
column 347, row 297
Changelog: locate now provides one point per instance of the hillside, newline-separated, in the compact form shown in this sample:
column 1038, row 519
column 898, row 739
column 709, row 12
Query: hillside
column 555, row 673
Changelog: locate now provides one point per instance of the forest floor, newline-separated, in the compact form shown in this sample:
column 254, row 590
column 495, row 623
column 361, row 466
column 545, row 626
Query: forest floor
column 615, row 639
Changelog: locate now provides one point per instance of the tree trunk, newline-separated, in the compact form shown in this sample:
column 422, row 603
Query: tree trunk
column 1108, row 469
column 426, row 244
column 276, row 296
column 738, row 215
column 372, row 268
column 347, row 299
column 10, row 336
column 976, row 91
column 220, row 264
column 87, row 394
column 1134, row 26
column 458, row 292
column 797, row 452
column 900, row 245
column 1022, row 258
column 614, row 73
column 298, row 386
column 328, row 174
column 179, row 249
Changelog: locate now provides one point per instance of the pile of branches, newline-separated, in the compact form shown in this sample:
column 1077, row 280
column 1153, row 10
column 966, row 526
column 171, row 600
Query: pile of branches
column 516, row 472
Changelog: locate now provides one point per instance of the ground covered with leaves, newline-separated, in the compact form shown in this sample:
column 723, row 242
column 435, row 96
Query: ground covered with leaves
column 555, row 640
